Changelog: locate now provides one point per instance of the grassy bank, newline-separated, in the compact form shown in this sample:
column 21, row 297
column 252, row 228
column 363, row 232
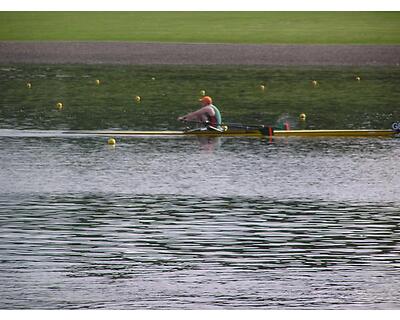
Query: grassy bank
column 338, row 101
column 210, row 27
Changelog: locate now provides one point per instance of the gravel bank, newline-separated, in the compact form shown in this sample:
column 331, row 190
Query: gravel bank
column 199, row 54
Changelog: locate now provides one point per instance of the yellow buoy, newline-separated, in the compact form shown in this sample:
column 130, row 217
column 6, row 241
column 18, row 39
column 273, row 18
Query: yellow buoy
column 111, row 141
column 59, row 105
column 153, row 78
column 314, row 83
column 98, row 82
column 302, row 116
column 203, row 92
column 358, row 78
column 29, row 85
column 137, row 99
column 224, row 128
column 262, row 87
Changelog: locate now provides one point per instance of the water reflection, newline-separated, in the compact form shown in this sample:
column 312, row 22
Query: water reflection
column 295, row 168
column 164, row 223
column 219, row 251
column 209, row 144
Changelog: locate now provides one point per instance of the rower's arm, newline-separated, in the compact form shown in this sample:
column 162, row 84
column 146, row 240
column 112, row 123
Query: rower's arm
column 199, row 115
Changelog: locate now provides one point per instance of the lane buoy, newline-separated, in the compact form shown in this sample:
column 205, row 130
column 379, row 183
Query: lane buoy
column 302, row 116
column 203, row 92
column 315, row 83
column 29, row 85
column 98, row 82
column 111, row 142
column 262, row 87
column 59, row 105
column 137, row 99
column 358, row 78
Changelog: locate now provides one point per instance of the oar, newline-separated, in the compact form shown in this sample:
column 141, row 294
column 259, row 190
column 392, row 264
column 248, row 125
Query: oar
column 265, row 130
column 244, row 126
column 231, row 124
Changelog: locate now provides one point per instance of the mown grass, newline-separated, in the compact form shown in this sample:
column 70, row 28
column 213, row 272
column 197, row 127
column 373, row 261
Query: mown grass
column 339, row 100
column 209, row 27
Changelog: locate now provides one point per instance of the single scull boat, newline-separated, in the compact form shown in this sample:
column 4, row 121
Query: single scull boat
column 248, row 132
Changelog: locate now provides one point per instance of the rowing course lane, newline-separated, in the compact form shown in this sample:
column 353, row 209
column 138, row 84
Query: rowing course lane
column 200, row 54
column 199, row 224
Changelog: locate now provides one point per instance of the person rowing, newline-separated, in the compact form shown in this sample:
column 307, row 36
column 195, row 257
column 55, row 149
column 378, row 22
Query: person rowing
column 208, row 115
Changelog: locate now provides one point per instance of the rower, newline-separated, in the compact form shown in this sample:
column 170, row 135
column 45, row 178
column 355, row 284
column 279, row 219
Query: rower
column 208, row 115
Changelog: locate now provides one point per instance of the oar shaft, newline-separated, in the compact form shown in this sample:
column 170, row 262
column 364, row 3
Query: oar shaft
column 234, row 125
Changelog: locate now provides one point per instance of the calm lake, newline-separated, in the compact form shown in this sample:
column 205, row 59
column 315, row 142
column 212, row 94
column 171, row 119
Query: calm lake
column 188, row 223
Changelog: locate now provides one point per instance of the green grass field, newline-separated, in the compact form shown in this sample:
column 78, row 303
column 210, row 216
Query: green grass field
column 208, row 27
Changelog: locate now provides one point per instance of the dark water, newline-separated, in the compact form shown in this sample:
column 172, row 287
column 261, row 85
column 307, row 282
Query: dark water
column 339, row 101
column 181, row 223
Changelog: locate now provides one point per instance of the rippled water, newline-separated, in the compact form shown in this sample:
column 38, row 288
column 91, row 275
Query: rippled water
column 186, row 223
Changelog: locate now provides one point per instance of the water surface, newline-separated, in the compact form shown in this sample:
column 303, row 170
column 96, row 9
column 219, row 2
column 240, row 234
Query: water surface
column 187, row 223
column 183, row 223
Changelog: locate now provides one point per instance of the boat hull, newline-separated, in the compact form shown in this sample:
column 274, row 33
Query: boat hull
column 334, row 133
column 245, row 133
column 228, row 133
